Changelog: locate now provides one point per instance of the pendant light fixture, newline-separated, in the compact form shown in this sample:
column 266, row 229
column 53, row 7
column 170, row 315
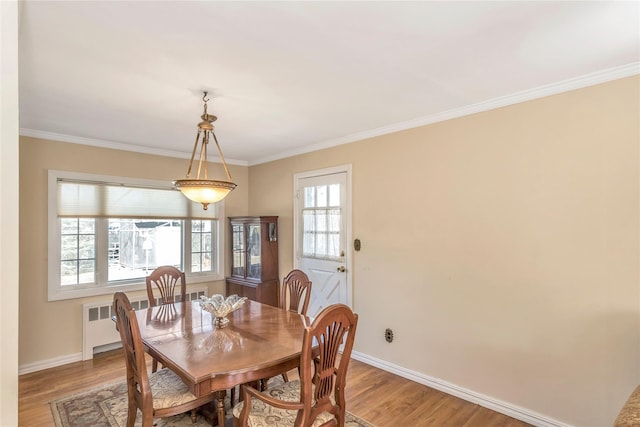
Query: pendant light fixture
column 201, row 189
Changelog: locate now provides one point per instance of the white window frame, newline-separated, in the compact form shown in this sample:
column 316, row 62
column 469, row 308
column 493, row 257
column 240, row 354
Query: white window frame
column 58, row 292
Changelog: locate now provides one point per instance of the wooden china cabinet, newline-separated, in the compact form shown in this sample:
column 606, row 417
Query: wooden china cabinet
column 254, row 258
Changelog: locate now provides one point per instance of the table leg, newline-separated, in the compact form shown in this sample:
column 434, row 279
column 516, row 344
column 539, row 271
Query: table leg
column 221, row 412
column 215, row 411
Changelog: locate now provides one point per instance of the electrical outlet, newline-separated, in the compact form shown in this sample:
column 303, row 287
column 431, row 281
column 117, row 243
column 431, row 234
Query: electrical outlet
column 388, row 335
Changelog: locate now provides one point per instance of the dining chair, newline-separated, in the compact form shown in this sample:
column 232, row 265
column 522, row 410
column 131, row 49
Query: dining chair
column 159, row 394
column 296, row 292
column 295, row 295
column 318, row 397
column 169, row 283
column 165, row 281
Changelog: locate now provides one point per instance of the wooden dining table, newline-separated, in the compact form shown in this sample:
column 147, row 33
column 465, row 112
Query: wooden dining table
column 259, row 342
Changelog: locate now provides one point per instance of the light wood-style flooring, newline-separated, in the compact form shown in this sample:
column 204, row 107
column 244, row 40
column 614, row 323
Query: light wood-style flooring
column 382, row 398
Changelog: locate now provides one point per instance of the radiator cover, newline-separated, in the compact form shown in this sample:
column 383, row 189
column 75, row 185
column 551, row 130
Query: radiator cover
column 98, row 329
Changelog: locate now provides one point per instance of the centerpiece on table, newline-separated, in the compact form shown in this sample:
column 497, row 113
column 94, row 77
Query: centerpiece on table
column 219, row 307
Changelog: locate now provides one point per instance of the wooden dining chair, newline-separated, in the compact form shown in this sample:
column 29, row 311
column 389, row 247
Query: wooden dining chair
column 318, row 397
column 159, row 394
column 295, row 296
column 168, row 282
column 296, row 292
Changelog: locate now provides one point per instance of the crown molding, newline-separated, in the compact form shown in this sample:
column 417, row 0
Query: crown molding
column 516, row 98
column 119, row 146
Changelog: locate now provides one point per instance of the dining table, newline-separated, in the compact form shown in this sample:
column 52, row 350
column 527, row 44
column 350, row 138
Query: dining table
column 260, row 341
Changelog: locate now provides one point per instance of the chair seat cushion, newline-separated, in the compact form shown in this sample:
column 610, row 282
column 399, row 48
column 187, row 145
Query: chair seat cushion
column 263, row 415
column 630, row 413
column 168, row 389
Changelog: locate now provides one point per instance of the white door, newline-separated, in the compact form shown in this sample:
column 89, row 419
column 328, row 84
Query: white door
column 322, row 229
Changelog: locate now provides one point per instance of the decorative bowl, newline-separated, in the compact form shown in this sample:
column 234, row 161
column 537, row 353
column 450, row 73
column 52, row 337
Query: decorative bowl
column 219, row 307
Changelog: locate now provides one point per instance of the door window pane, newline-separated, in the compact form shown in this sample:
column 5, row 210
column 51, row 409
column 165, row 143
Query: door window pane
column 321, row 196
column 309, row 197
column 334, row 195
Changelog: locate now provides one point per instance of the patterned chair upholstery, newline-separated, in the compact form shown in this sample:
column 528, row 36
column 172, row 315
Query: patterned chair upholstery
column 168, row 390
column 264, row 415
column 629, row 415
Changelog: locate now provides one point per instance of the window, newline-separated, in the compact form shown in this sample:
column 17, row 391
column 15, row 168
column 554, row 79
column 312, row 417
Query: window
column 321, row 216
column 77, row 250
column 201, row 237
column 108, row 233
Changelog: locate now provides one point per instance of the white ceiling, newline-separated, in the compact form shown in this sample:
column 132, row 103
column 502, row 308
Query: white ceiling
column 291, row 77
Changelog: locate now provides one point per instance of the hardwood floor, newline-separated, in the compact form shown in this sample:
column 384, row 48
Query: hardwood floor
column 384, row 399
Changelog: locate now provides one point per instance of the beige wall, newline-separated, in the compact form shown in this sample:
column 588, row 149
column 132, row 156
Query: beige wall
column 502, row 248
column 50, row 330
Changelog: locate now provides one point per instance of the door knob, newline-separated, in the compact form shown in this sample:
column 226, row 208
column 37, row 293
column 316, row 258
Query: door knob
column 341, row 269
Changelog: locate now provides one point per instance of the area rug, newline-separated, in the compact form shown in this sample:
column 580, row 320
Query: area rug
column 106, row 406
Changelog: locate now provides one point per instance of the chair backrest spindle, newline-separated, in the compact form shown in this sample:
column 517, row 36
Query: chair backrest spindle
column 296, row 292
column 169, row 283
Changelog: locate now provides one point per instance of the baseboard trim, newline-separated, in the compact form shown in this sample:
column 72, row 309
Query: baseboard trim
column 497, row 405
column 63, row 360
column 107, row 347
column 49, row 363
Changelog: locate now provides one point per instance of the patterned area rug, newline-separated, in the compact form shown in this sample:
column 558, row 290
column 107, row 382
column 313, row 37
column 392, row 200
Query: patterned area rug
column 106, row 406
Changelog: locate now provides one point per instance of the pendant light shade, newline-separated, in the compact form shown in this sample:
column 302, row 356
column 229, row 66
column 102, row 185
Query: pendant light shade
column 204, row 191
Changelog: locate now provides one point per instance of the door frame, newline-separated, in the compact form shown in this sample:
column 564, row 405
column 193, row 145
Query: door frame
column 347, row 217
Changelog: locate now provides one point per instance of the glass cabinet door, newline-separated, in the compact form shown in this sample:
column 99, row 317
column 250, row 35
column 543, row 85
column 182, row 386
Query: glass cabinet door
column 253, row 246
column 238, row 250
column 253, row 251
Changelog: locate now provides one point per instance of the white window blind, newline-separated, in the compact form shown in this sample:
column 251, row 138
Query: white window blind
column 103, row 199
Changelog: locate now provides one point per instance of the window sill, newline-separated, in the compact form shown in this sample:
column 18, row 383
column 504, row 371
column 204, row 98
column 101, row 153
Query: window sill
column 74, row 292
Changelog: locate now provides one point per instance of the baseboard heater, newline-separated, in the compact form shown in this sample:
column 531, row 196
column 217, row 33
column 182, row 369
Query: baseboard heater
column 99, row 331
